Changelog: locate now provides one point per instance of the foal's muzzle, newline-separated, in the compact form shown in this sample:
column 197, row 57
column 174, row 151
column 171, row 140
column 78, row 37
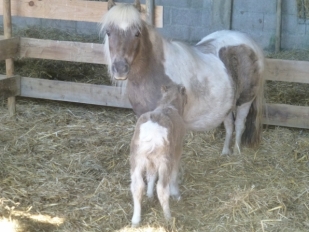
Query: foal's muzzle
column 120, row 70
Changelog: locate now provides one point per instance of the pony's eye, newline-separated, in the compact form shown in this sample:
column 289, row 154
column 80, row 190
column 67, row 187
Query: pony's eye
column 137, row 34
column 108, row 32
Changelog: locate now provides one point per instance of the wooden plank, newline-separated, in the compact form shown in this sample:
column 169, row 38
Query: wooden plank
column 150, row 11
column 275, row 69
column 287, row 115
column 9, row 63
column 9, row 48
column 287, row 70
column 62, row 50
column 278, row 26
column 73, row 92
column 277, row 114
column 9, row 87
column 76, row 10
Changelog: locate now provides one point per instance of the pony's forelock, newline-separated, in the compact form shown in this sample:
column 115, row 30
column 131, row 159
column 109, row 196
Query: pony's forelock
column 122, row 16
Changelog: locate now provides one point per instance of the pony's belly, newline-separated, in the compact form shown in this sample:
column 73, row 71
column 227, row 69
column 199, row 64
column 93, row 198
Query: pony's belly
column 207, row 116
column 202, row 124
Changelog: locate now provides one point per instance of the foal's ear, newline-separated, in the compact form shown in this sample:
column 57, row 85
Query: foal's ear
column 163, row 88
column 110, row 4
column 184, row 95
column 137, row 5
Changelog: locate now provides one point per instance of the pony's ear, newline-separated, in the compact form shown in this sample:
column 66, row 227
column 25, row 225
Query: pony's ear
column 137, row 5
column 163, row 88
column 110, row 4
column 182, row 90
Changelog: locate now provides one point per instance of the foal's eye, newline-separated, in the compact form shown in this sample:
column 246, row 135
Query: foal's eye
column 108, row 32
column 137, row 34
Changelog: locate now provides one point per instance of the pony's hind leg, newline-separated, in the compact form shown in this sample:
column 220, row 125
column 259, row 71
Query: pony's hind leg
column 229, row 128
column 241, row 115
column 137, row 189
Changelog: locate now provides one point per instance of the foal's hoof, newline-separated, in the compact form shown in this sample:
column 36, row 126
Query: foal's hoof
column 134, row 225
column 135, row 221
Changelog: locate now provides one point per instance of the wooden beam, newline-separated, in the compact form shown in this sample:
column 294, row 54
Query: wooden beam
column 287, row 115
column 276, row 114
column 278, row 26
column 9, row 63
column 9, row 87
column 76, row 10
column 73, row 92
column 62, row 50
column 275, row 69
column 287, row 70
column 9, row 48
column 150, row 11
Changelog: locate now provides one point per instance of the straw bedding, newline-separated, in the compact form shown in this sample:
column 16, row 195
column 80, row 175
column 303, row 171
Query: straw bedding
column 64, row 167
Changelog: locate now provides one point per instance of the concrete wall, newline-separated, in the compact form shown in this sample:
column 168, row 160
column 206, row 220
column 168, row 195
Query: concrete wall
column 190, row 20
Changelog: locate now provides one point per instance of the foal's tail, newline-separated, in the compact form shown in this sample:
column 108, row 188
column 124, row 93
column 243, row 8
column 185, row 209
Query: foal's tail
column 251, row 137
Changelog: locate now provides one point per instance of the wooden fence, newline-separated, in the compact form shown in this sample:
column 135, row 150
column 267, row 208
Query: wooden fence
column 92, row 11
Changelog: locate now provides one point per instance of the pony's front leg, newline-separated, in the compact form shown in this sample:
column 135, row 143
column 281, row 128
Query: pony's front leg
column 137, row 189
column 229, row 128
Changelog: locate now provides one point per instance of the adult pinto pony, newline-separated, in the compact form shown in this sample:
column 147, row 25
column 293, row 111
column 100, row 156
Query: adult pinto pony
column 221, row 73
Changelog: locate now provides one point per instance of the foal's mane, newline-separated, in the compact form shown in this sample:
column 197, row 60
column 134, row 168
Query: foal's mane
column 122, row 16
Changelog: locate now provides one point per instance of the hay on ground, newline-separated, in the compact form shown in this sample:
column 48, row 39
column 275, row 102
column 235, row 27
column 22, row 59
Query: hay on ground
column 64, row 167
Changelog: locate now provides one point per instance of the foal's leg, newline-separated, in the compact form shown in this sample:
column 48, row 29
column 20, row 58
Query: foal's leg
column 229, row 128
column 174, row 188
column 137, row 188
column 241, row 115
column 163, row 191
column 151, row 180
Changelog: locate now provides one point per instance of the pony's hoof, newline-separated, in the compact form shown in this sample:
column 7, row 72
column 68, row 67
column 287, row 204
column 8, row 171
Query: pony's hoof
column 226, row 153
column 236, row 152
column 176, row 197
column 167, row 217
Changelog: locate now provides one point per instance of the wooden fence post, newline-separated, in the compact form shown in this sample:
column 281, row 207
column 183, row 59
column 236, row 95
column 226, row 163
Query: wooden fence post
column 150, row 11
column 9, row 63
column 278, row 26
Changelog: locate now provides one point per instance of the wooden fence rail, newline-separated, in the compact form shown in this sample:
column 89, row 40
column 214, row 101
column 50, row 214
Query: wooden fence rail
column 75, row 10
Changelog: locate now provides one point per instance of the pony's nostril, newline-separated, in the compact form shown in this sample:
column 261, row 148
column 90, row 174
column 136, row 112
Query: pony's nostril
column 114, row 68
column 120, row 67
column 125, row 68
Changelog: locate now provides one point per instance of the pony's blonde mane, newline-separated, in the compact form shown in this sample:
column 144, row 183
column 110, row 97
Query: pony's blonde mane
column 122, row 16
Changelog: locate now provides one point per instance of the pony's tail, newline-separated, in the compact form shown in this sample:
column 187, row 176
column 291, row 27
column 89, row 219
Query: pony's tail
column 251, row 136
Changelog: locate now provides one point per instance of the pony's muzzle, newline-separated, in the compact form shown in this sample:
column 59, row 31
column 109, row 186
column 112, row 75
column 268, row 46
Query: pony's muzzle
column 120, row 70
